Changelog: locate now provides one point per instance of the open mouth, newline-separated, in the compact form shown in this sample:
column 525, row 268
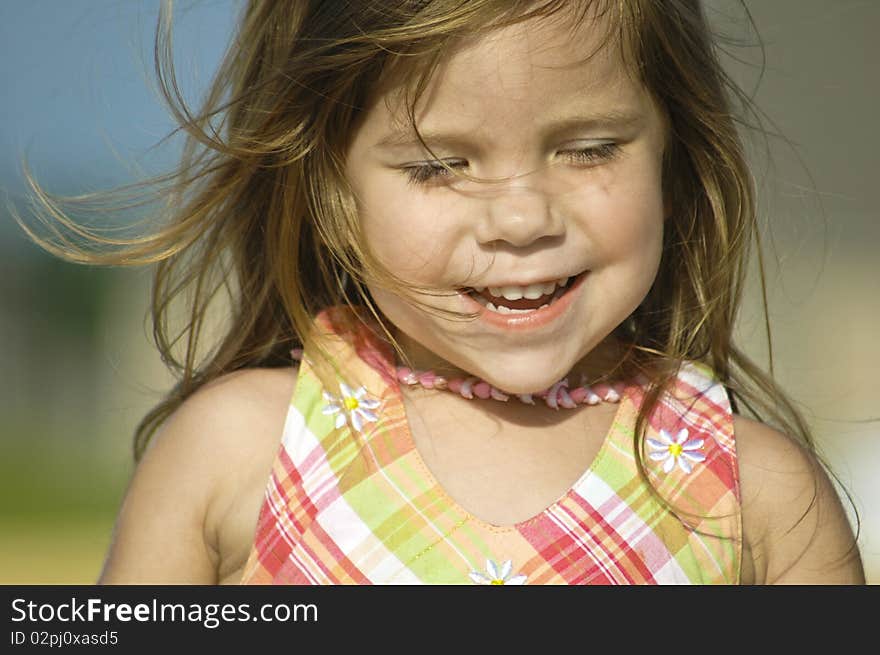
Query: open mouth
column 521, row 299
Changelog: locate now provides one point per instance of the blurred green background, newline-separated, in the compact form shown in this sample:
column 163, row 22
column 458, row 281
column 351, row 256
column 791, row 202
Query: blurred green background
column 81, row 370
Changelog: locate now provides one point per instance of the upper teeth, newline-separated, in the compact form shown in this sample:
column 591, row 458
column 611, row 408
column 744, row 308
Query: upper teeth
column 530, row 292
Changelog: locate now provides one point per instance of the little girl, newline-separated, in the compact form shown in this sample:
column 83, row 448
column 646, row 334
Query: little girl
column 483, row 261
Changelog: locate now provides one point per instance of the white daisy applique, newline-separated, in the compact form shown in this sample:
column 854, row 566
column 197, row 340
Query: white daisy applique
column 679, row 451
column 353, row 407
column 496, row 576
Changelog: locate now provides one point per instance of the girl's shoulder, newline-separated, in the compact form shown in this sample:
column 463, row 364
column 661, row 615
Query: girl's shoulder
column 794, row 523
column 187, row 513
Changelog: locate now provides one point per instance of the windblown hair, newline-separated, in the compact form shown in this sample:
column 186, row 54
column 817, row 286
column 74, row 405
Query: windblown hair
column 259, row 204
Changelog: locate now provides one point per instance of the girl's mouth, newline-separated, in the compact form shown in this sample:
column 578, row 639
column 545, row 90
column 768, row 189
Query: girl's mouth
column 523, row 308
column 518, row 299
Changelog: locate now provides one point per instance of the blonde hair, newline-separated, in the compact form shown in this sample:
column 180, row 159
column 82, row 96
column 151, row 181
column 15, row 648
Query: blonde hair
column 259, row 204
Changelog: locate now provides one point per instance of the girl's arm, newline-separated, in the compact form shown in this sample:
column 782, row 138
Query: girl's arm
column 160, row 535
column 191, row 506
column 793, row 520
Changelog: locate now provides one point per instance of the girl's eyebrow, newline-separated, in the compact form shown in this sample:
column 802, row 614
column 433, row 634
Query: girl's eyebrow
column 553, row 130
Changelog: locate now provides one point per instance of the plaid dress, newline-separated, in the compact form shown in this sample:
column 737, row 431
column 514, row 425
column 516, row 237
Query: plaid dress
column 350, row 501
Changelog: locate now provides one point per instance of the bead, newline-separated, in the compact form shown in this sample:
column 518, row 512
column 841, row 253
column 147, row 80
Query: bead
column 601, row 389
column 407, row 376
column 606, row 392
column 483, row 390
column 565, row 400
column 553, row 395
column 497, row 394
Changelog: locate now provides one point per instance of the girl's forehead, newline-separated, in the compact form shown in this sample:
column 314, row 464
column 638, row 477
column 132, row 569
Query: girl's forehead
column 540, row 68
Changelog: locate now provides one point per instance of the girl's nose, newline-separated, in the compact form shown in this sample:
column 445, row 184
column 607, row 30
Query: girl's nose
column 518, row 215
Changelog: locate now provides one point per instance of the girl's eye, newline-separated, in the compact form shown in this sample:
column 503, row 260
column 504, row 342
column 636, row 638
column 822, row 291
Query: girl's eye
column 593, row 154
column 429, row 170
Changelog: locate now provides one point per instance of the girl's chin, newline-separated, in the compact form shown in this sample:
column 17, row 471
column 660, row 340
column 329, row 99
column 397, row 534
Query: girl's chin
column 518, row 381
column 525, row 386
column 533, row 374
column 524, row 373
column 521, row 380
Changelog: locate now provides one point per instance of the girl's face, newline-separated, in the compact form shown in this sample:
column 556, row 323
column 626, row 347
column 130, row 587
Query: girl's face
column 573, row 151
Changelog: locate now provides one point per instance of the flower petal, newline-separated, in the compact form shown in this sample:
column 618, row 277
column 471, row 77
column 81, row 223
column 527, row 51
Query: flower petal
column 340, row 420
column 492, row 569
column 366, row 415
column 506, row 568
column 356, row 421
column 684, row 465
column 682, row 436
column 657, row 445
column 329, row 396
column 479, row 578
column 330, row 409
column 694, row 456
column 346, row 390
column 370, row 403
column 669, row 465
column 517, row 579
column 664, row 437
column 659, row 456
column 693, row 444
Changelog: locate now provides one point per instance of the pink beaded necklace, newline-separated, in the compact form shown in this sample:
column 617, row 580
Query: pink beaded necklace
column 556, row 396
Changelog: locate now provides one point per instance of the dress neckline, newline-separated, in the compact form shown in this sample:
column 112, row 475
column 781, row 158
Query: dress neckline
column 409, row 444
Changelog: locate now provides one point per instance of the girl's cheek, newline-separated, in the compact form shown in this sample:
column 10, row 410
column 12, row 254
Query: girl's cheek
column 413, row 240
column 635, row 204
column 618, row 217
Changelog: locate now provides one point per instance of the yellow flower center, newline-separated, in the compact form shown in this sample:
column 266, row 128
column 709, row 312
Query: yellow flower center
column 351, row 403
column 675, row 449
column 497, row 581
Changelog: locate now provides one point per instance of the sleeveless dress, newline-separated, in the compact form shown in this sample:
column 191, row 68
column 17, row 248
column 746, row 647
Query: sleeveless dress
column 350, row 501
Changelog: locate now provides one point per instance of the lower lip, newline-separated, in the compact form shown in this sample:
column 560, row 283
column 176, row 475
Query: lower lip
column 532, row 320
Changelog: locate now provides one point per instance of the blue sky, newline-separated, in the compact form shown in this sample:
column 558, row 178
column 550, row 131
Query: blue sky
column 76, row 79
